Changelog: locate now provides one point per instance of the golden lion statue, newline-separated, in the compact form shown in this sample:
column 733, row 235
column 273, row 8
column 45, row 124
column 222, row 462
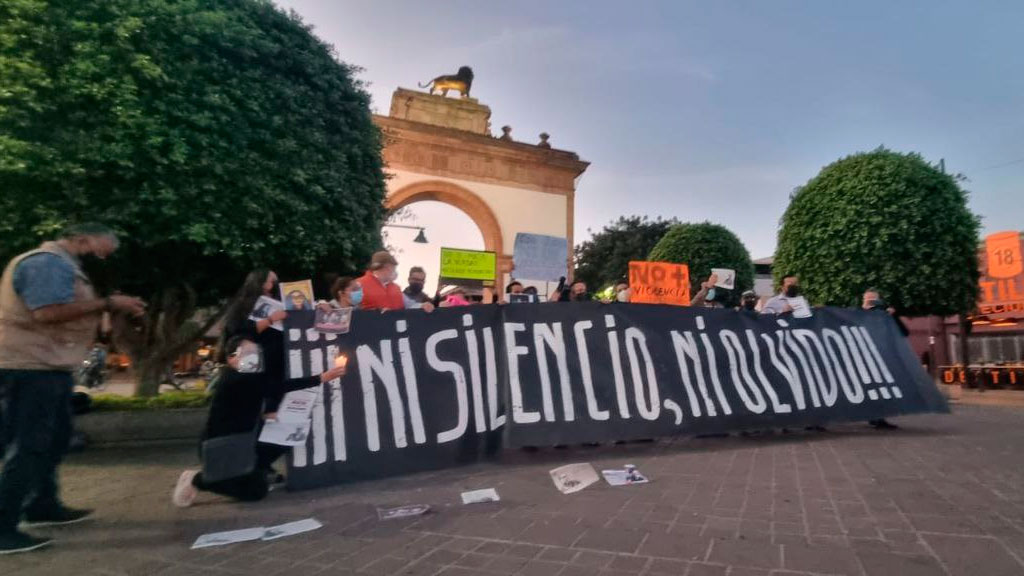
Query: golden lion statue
column 461, row 81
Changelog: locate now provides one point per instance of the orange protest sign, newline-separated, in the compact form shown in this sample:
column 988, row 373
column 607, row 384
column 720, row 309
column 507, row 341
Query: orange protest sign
column 1003, row 254
column 659, row 283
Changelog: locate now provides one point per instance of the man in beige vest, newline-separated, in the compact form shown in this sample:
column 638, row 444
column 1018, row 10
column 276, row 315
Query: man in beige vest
column 49, row 314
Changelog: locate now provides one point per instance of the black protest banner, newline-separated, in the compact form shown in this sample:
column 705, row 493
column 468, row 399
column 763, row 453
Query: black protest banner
column 434, row 390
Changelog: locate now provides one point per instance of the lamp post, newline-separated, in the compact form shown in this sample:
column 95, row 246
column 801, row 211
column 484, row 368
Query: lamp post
column 420, row 238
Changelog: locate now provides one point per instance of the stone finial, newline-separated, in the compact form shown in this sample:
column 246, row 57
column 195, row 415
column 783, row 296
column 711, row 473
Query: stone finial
column 506, row 133
column 544, row 140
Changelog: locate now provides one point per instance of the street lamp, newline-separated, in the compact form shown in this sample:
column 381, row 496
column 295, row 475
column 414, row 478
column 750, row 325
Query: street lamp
column 420, row 238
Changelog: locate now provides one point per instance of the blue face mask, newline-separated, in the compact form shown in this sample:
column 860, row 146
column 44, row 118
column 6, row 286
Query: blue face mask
column 711, row 295
column 356, row 298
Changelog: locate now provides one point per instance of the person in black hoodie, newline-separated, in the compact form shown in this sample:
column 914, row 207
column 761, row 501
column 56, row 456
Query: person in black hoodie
column 238, row 408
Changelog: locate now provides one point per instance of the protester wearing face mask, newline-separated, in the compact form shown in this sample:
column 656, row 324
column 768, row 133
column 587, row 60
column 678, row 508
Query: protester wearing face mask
column 237, row 408
column 238, row 323
column 788, row 299
column 707, row 296
column 347, row 293
column 748, row 303
column 413, row 295
column 622, row 292
column 379, row 289
column 577, row 292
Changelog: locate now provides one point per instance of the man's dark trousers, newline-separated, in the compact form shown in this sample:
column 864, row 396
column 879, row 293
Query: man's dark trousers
column 37, row 428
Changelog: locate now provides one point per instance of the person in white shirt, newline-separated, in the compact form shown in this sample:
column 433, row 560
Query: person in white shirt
column 788, row 300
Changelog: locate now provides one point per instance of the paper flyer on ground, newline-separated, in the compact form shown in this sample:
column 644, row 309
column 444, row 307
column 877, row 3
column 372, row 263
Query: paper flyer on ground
column 480, row 496
column 230, row 537
column 573, row 477
column 624, row 477
column 402, row 511
column 291, row 529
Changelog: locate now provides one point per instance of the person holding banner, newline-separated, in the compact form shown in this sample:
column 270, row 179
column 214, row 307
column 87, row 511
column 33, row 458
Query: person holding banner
column 237, row 411
column 415, row 298
column 379, row 289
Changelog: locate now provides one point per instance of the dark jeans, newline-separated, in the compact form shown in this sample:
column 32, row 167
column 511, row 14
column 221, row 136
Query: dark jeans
column 37, row 427
column 252, row 486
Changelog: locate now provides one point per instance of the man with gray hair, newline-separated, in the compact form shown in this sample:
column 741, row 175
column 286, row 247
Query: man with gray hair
column 49, row 314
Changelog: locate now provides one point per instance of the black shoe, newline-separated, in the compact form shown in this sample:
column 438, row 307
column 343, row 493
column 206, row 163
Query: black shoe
column 59, row 517
column 883, row 424
column 17, row 542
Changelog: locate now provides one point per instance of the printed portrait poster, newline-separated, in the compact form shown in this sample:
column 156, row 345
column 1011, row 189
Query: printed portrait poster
column 264, row 307
column 297, row 295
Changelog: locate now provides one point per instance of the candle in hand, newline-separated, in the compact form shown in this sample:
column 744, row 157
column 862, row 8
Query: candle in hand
column 341, row 361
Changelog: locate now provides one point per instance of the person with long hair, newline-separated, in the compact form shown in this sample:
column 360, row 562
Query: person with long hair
column 238, row 322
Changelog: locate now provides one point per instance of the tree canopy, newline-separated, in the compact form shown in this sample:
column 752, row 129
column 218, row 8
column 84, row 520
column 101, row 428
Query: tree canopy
column 215, row 136
column 703, row 246
column 604, row 259
column 885, row 220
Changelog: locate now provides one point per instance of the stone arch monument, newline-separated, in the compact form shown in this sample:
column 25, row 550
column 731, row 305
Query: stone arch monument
column 441, row 148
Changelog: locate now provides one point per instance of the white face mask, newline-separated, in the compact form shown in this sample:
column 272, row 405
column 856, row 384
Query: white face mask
column 250, row 358
column 622, row 296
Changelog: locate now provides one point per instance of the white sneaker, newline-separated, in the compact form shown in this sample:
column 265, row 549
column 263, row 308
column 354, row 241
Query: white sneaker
column 184, row 492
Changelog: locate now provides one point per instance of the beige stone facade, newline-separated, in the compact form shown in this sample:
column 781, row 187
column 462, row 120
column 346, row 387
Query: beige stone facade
column 440, row 148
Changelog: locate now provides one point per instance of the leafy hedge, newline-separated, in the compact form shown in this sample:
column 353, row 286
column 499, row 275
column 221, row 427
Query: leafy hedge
column 165, row 401
column 703, row 246
column 886, row 220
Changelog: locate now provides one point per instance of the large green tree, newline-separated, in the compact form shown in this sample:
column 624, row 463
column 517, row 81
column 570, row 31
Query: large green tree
column 604, row 259
column 886, row 220
column 215, row 135
column 703, row 246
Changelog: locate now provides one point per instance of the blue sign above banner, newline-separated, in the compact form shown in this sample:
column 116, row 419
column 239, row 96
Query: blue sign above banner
column 540, row 257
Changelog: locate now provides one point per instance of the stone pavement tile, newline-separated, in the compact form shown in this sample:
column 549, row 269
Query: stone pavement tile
column 666, row 567
column 541, row 568
column 788, row 528
column 971, row 556
column 629, row 564
column 821, row 559
column 734, row 571
column 505, row 565
column 461, row 544
column 442, row 557
column 555, row 554
column 473, row 560
column 527, row 551
column 675, row 546
column 886, row 564
column 626, row 541
column 745, row 553
column 578, row 571
column 458, row 571
column 945, row 524
column 562, row 533
column 702, row 569
column 593, row 559
column 495, row 548
column 383, row 567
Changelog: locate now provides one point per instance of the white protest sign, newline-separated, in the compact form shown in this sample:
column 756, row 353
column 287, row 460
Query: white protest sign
column 285, row 433
column 402, row 512
column 540, row 257
column 297, row 405
column 628, row 475
column 726, row 278
column 573, row 477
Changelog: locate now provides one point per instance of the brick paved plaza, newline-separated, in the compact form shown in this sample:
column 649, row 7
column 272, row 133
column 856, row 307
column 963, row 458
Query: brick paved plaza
column 944, row 495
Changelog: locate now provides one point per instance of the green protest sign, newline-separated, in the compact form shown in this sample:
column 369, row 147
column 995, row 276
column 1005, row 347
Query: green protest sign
column 467, row 267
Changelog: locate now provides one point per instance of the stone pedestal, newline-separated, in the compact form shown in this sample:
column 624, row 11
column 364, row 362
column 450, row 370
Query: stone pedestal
column 466, row 114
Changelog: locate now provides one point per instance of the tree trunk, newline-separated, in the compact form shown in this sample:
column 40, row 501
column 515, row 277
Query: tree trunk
column 149, row 373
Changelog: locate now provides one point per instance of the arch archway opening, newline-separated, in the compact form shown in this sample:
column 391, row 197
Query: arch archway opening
column 444, row 225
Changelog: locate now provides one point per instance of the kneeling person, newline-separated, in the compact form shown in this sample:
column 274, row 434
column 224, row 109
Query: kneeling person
column 237, row 408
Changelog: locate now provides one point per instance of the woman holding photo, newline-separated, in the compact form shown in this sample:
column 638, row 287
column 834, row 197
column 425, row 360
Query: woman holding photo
column 240, row 322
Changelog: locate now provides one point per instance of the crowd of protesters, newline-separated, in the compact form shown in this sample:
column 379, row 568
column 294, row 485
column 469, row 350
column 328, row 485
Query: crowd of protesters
column 49, row 314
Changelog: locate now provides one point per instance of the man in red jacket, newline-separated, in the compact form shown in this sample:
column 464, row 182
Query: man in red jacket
column 379, row 289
